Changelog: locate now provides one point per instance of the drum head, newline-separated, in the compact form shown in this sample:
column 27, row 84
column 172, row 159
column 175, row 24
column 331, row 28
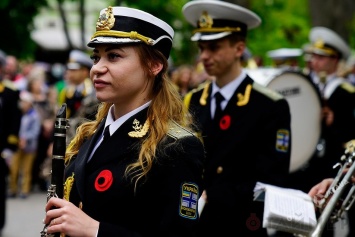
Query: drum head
column 305, row 106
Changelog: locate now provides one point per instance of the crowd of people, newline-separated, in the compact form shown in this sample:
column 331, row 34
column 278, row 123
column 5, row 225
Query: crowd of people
column 30, row 96
column 160, row 151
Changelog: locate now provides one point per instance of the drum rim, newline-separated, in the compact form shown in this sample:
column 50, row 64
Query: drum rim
column 318, row 95
column 309, row 80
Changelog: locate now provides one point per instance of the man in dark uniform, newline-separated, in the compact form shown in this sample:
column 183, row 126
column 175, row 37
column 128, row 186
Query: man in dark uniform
column 78, row 82
column 338, row 110
column 247, row 136
column 79, row 94
column 10, row 118
column 285, row 58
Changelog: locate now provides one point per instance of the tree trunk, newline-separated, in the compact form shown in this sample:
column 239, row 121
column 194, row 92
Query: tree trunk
column 333, row 14
column 82, row 23
column 65, row 25
column 118, row 2
column 243, row 3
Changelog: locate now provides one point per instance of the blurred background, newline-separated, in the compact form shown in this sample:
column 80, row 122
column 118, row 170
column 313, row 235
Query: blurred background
column 46, row 30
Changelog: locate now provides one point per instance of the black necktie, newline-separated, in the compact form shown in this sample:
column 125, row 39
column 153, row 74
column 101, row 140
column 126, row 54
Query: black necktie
column 106, row 134
column 218, row 99
column 105, row 138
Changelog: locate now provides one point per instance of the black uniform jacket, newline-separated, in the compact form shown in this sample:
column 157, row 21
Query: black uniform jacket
column 251, row 142
column 80, row 103
column 163, row 204
column 10, row 117
column 342, row 103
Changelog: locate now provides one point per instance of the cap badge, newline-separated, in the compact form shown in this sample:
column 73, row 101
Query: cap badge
column 106, row 20
column 205, row 20
column 319, row 43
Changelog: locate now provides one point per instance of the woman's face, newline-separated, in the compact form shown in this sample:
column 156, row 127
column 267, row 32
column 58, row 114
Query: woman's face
column 118, row 76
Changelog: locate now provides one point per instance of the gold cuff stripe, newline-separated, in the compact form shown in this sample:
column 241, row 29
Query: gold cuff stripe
column 218, row 29
column 121, row 34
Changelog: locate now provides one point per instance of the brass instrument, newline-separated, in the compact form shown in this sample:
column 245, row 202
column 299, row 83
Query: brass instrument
column 56, row 188
column 334, row 204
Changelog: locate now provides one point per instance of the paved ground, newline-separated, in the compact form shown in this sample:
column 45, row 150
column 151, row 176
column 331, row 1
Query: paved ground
column 24, row 217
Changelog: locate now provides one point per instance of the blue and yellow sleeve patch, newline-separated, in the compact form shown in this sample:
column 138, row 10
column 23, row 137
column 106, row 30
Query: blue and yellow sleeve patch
column 282, row 140
column 188, row 200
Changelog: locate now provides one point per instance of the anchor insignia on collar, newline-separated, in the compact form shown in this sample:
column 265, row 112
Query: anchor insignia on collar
column 139, row 130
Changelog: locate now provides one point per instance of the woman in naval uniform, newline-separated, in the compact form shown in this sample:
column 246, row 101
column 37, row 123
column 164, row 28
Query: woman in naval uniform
column 144, row 179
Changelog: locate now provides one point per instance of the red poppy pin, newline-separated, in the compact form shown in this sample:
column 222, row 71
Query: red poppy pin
column 225, row 122
column 103, row 180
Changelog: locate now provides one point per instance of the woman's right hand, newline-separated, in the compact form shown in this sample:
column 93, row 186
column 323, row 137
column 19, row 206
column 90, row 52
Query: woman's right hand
column 68, row 219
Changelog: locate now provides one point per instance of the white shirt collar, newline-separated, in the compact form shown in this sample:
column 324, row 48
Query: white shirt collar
column 115, row 124
column 228, row 90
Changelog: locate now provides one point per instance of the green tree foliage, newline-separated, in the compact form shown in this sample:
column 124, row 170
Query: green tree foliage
column 170, row 11
column 16, row 17
column 285, row 24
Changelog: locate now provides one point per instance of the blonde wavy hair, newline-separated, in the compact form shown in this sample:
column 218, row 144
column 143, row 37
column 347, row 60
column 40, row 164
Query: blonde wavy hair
column 166, row 106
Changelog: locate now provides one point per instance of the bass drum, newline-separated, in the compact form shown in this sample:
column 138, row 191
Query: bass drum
column 305, row 107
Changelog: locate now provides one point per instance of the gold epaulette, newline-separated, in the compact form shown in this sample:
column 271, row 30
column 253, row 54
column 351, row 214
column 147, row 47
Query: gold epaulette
column 243, row 99
column 9, row 84
column 348, row 87
column 203, row 86
column 176, row 131
column 267, row 91
column 68, row 184
column 187, row 99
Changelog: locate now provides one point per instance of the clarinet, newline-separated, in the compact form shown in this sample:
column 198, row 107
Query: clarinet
column 56, row 188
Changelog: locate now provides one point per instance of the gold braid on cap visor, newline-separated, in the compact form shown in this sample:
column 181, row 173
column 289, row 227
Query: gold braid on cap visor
column 327, row 51
column 218, row 29
column 121, row 34
column 320, row 45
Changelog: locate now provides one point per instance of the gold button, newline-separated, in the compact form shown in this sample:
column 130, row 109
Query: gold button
column 219, row 169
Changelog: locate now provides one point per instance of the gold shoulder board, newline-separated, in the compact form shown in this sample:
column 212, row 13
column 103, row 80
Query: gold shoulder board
column 203, row 86
column 348, row 87
column 267, row 91
column 176, row 131
column 10, row 85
